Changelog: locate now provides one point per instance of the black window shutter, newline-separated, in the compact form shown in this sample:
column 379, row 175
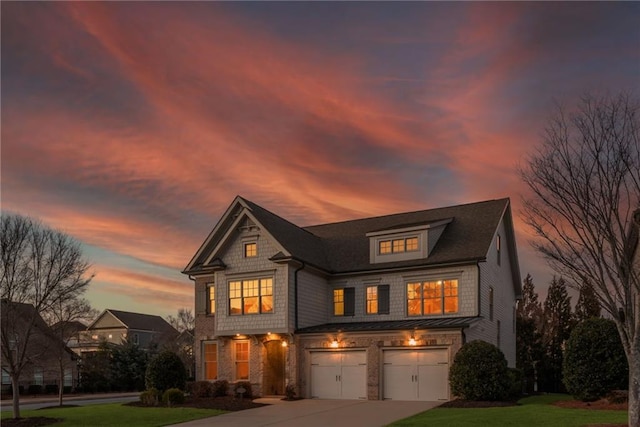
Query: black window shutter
column 383, row 299
column 349, row 301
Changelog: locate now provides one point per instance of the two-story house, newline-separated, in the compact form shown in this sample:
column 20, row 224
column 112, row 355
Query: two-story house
column 373, row 308
column 116, row 326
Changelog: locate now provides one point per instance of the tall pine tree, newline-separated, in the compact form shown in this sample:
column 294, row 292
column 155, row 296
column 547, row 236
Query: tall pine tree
column 588, row 305
column 558, row 322
column 528, row 338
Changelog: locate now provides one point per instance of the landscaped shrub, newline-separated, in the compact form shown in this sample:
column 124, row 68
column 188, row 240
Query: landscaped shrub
column 220, row 388
column 51, row 389
column 166, row 371
column 35, row 389
column 479, row 372
column 149, row 397
column 516, row 377
column 173, row 396
column 594, row 360
column 290, row 391
column 246, row 385
column 200, row 389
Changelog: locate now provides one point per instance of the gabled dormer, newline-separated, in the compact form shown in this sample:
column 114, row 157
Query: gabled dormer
column 404, row 243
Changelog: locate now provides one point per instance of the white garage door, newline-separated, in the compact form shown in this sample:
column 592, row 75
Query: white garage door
column 339, row 374
column 416, row 374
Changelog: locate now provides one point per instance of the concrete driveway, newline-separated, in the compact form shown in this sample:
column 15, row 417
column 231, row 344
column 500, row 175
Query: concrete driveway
column 318, row 413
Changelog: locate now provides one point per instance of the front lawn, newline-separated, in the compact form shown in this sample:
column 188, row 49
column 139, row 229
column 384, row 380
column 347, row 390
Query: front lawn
column 108, row 415
column 531, row 412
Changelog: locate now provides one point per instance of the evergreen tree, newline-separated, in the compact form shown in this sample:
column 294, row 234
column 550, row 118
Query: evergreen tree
column 528, row 336
column 588, row 305
column 128, row 366
column 558, row 322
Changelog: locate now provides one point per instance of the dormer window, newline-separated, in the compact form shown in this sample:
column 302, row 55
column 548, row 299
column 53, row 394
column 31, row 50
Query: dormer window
column 394, row 246
column 405, row 243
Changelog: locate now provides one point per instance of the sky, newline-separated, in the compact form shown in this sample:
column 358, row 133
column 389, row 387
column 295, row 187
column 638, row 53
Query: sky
column 131, row 126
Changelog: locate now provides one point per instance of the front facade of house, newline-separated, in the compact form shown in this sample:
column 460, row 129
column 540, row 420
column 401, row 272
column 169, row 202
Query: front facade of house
column 366, row 309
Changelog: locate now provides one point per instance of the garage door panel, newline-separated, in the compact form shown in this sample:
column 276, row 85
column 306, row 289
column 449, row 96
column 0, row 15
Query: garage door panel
column 432, row 382
column 398, row 382
column 325, row 382
column 433, row 357
column 353, row 382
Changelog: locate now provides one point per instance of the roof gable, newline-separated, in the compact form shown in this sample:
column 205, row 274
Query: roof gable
column 343, row 247
column 142, row 322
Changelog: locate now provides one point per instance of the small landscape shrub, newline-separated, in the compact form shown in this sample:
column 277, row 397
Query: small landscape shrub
column 594, row 360
column 149, row 397
column 247, row 389
column 479, row 372
column 51, row 389
column 200, row 389
column 220, row 388
column 166, row 371
column 35, row 389
column 290, row 391
column 173, row 396
column 66, row 389
column 516, row 377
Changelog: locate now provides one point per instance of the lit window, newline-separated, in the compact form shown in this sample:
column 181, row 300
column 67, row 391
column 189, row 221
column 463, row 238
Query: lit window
column 434, row 297
column 338, row 302
column 253, row 296
column 212, row 299
column 398, row 245
column 210, row 361
column 241, row 356
column 372, row 299
column 385, row 247
column 250, row 250
column 412, row 244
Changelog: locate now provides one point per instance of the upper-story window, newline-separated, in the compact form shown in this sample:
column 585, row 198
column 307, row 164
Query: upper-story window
column 498, row 248
column 432, row 297
column 377, row 299
column 344, row 302
column 394, row 246
column 250, row 250
column 490, row 303
column 212, row 298
column 253, row 296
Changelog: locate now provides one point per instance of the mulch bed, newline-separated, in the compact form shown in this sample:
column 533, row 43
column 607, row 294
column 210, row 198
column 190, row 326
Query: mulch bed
column 598, row 404
column 29, row 422
column 459, row 403
column 226, row 403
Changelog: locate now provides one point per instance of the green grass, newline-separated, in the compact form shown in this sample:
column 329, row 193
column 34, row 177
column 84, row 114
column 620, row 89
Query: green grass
column 111, row 414
column 532, row 412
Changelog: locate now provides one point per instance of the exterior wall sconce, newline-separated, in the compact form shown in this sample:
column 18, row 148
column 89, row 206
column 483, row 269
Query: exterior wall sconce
column 284, row 343
column 412, row 340
column 334, row 343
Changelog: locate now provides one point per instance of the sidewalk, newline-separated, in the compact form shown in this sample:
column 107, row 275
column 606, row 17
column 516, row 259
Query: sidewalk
column 26, row 399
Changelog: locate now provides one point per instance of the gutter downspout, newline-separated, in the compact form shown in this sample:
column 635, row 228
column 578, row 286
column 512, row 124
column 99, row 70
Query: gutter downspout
column 295, row 294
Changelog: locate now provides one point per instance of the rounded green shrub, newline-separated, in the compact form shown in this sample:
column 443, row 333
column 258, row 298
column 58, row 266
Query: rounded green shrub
column 479, row 372
column 173, row 396
column 150, row 397
column 594, row 360
column 166, row 371
column 220, row 388
column 200, row 389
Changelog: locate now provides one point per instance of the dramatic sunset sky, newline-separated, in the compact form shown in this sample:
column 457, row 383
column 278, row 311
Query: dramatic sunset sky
column 132, row 125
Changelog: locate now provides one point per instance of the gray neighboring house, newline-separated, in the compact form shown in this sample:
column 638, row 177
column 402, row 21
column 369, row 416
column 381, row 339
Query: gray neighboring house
column 116, row 326
column 373, row 308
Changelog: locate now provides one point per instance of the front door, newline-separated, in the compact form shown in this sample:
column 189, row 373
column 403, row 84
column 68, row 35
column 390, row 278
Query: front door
column 273, row 382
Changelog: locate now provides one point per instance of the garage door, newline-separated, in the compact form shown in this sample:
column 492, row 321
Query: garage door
column 416, row 374
column 339, row 374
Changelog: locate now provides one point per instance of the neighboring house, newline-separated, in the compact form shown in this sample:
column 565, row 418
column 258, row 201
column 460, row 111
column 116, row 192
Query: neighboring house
column 374, row 308
column 115, row 327
column 45, row 354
